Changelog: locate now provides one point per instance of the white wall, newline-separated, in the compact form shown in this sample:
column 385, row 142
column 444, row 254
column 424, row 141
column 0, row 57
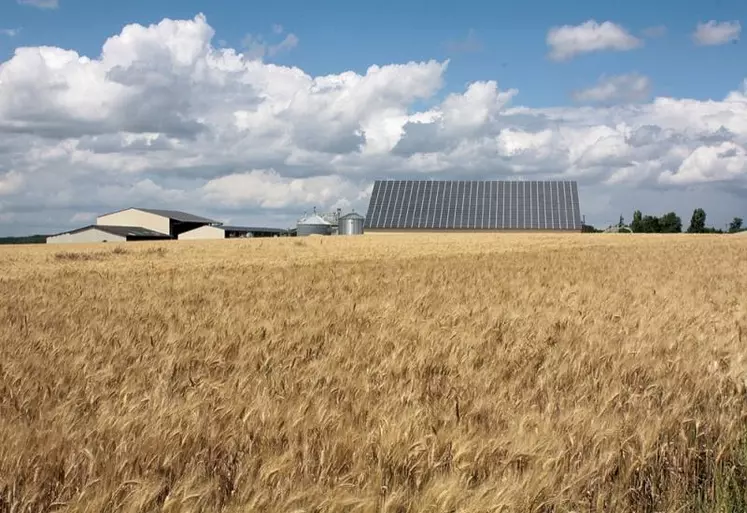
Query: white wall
column 203, row 233
column 134, row 217
column 89, row 235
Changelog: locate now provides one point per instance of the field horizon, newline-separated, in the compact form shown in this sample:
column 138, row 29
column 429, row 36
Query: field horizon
column 400, row 373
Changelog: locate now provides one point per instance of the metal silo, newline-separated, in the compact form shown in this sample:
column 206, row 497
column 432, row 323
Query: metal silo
column 350, row 224
column 313, row 225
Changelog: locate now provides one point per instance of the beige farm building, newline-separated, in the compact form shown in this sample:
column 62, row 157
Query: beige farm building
column 133, row 224
column 94, row 233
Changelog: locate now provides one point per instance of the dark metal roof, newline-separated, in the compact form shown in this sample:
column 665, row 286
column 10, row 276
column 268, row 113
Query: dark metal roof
column 130, row 231
column 251, row 229
column 122, row 231
column 177, row 215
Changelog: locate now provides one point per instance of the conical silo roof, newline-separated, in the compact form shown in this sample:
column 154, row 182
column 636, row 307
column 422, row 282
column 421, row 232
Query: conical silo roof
column 313, row 219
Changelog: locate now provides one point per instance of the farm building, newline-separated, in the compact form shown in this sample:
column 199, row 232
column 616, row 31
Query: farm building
column 426, row 205
column 170, row 222
column 134, row 224
column 103, row 233
column 229, row 232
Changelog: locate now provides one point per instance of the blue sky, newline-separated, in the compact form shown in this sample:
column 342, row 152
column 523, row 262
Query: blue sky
column 336, row 36
column 167, row 118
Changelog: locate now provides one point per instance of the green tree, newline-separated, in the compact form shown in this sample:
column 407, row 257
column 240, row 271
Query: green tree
column 650, row 224
column 637, row 224
column 670, row 223
column 697, row 222
column 735, row 225
column 621, row 223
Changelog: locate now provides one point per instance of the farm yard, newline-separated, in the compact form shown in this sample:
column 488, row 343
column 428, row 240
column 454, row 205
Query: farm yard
column 382, row 373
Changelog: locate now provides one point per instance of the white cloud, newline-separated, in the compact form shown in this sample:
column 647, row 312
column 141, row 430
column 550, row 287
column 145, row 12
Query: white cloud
column 163, row 116
column 268, row 189
column 256, row 47
column 717, row 33
column 723, row 162
column 10, row 32
column 569, row 41
column 10, row 182
column 631, row 87
column 41, row 4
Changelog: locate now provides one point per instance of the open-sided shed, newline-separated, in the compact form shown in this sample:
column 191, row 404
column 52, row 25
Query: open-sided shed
column 104, row 233
column 230, row 232
column 170, row 222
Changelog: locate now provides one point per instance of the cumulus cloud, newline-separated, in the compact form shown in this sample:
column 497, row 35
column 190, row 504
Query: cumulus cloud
column 162, row 116
column 630, row 87
column 41, row 4
column 269, row 189
column 257, row 47
column 723, row 162
column 10, row 32
column 568, row 41
column 714, row 33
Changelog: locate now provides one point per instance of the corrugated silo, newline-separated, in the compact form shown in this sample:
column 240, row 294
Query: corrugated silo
column 351, row 224
column 313, row 225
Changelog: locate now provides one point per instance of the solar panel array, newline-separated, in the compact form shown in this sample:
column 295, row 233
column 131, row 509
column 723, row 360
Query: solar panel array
column 473, row 205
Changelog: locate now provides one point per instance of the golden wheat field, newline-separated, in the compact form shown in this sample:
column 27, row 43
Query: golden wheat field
column 449, row 373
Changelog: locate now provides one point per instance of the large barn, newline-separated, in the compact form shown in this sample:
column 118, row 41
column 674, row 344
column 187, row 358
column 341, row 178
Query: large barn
column 170, row 222
column 429, row 205
column 133, row 224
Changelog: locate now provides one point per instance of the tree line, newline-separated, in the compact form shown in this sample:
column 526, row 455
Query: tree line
column 29, row 239
column 671, row 223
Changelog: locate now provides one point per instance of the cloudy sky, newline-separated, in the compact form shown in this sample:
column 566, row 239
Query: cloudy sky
column 253, row 113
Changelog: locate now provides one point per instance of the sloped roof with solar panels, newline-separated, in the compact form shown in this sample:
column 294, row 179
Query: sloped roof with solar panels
column 473, row 205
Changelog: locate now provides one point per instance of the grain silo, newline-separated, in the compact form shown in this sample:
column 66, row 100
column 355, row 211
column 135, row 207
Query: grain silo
column 313, row 225
column 350, row 224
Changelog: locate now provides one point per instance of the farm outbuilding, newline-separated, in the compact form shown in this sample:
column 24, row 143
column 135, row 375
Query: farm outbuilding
column 459, row 205
column 103, row 233
column 170, row 222
column 230, row 232
column 133, row 224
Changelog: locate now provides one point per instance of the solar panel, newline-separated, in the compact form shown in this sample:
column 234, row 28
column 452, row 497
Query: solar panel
column 473, row 205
